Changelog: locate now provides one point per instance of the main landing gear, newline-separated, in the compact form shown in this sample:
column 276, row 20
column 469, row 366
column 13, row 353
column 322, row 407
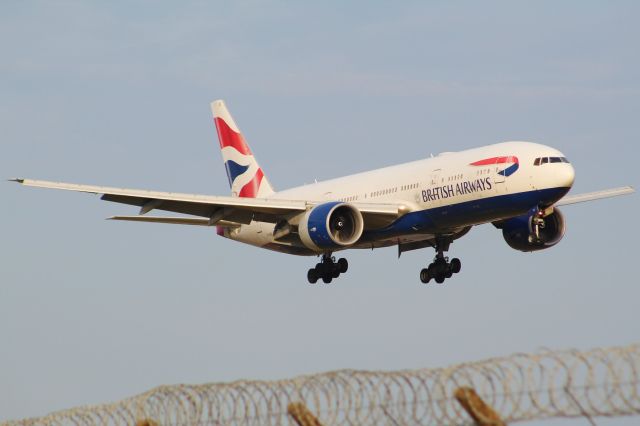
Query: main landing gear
column 441, row 268
column 327, row 269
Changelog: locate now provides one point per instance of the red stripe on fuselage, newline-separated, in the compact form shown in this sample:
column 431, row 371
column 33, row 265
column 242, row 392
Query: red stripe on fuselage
column 228, row 137
column 496, row 160
column 250, row 190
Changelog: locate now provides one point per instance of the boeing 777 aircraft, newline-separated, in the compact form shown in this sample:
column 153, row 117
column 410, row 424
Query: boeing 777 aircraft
column 516, row 186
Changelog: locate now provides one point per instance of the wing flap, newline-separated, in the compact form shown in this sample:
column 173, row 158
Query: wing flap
column 174, row 220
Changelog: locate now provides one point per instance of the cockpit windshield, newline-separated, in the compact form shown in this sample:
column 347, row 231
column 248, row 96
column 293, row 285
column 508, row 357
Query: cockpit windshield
column 544, row 160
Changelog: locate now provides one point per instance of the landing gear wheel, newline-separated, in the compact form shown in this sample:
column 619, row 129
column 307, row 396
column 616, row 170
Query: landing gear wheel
column 327, row 269
column 343, row 265
column 432, row 269
column 335, row 270
column 441, row 268
column 456, row 265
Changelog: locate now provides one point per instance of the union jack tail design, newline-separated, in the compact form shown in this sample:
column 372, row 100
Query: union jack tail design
column 246, row 178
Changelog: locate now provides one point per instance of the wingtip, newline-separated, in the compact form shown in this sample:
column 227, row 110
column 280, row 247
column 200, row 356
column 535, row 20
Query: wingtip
column 19, row 180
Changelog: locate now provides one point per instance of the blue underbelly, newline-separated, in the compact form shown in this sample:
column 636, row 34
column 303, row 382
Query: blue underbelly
column 442, row 219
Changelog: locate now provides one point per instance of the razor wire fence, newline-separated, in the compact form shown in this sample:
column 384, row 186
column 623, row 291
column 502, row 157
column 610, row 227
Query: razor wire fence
column 520, row 387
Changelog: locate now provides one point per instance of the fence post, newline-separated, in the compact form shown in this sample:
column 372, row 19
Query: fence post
column 302, row 415
column 481, row 413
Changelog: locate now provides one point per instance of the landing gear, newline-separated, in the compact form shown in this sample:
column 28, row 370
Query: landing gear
column 441, row 268
column 538, row 223
column 327, row 269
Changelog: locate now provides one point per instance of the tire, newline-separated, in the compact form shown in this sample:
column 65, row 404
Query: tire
column 425, row 277
column 335, row 270
column 456, row 265
column 448, row 273
column 433, row 270
column 440, row 278
column 312, row 276
column 343, row 265
column 327, row 279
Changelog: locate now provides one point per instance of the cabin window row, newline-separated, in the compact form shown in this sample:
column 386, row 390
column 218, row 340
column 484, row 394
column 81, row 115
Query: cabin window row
column 384, row 192
column 407, row 187
column 392, row 190
column 351, row 198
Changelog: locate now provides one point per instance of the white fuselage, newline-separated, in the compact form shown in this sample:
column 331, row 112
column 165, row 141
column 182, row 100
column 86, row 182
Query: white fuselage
column 444, row 193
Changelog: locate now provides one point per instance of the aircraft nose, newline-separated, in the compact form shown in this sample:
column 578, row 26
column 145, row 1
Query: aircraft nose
column 566, row 175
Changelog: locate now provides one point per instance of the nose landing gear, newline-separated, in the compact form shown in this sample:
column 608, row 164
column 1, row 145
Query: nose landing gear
column 441, row 268
column 327, row 269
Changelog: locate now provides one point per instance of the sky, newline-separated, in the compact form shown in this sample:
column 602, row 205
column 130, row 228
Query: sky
column 117, row 94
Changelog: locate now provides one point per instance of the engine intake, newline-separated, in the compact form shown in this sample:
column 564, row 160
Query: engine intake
column 532, row 232
column 331, row 225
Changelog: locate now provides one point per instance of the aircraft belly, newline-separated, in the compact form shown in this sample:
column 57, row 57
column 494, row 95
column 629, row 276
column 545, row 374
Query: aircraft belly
column 418, row 225
column 444, row 219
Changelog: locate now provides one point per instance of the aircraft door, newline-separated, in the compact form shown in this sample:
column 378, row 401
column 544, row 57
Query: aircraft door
column 433, row 198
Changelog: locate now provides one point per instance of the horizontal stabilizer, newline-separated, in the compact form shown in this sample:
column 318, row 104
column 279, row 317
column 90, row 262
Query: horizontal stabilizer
column 597, row 195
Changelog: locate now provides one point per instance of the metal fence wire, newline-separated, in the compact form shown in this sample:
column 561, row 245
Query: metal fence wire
column 520, row 387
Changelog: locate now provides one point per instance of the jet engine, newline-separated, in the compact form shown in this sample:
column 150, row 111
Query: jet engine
column 533, row 231
column 330, row 225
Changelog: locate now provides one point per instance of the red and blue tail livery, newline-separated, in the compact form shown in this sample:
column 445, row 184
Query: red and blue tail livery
column 246, row 178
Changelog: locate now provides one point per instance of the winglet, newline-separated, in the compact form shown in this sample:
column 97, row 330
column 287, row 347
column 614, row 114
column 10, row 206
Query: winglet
column 19, row 180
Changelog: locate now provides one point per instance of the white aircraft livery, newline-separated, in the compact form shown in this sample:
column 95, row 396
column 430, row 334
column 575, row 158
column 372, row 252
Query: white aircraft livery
column 516, row 186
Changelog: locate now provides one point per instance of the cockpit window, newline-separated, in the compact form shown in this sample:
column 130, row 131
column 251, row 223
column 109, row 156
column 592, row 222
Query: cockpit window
column 544, row 160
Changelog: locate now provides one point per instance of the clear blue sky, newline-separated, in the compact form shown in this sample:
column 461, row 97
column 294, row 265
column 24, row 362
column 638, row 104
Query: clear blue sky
column 117, row 93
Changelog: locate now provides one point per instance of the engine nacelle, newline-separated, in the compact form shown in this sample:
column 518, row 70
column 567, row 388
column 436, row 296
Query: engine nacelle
column 331, row 225
column 533, row 231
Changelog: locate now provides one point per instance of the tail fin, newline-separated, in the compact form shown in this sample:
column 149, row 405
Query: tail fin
column 246, row 178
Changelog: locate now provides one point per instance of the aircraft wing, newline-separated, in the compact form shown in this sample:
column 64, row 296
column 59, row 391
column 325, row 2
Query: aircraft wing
column 597, row 195
column 219, row 210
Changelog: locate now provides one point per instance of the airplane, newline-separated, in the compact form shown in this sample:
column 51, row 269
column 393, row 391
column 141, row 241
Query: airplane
column 516, row 186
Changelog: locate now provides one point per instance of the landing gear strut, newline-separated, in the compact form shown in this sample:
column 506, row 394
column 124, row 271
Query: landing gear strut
column 539, row 224
column 327, row 269
column 441, row 268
